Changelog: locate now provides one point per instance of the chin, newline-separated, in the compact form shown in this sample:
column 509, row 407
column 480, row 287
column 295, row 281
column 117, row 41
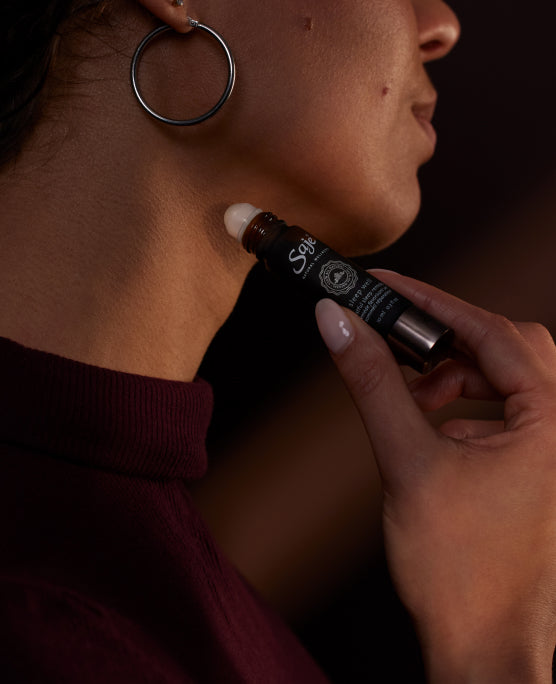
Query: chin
column 352, row 221
column 378, row 227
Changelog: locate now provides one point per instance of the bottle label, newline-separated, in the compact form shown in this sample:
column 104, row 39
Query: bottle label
column 324, row 273
column 299, row 255
column 337, row 277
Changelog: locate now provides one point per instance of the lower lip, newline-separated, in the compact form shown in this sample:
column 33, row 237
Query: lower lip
column 428, row 128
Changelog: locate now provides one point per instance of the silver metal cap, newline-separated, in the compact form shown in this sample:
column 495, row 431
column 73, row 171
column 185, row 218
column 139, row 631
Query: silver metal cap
column 419, row 340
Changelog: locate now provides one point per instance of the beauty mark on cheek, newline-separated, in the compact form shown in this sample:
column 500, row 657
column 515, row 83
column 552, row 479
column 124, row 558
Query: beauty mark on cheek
column 385, row 91
column 308, row 23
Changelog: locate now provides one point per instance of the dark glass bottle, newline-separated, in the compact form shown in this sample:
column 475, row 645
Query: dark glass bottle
column 417, row 339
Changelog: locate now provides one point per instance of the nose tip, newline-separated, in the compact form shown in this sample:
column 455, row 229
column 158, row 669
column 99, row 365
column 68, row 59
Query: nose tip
column 439, row 29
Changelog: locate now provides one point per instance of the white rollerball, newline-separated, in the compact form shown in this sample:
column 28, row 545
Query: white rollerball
column 238, row 217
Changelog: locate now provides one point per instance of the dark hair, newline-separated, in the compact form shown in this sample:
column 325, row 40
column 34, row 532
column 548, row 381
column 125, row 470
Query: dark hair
column 31, row 30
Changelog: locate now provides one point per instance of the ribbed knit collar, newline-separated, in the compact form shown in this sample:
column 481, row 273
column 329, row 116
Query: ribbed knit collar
column 101, row 418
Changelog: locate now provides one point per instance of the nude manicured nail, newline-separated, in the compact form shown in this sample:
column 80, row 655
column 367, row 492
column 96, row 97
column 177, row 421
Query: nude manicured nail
column 383, row 270
column 334, row 326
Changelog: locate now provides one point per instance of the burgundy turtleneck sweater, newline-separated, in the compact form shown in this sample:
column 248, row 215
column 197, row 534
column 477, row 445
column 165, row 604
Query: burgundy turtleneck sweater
column 107, row 572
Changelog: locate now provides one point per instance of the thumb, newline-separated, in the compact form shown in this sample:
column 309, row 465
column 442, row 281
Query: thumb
column 399, row 433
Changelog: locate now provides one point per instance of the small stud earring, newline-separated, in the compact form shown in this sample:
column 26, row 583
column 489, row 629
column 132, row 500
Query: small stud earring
column 177, row 3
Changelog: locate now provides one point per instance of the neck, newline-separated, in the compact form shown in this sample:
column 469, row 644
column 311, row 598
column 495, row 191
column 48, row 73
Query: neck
column 111, row 264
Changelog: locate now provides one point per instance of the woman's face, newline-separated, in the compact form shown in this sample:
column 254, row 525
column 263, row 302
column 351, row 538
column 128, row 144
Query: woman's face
column 329, row 122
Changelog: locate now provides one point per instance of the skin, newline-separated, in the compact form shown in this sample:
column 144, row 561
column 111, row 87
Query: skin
column 331, row 160
column 143, row 210
column 340, row 145
column 469, row 510
column 112, row 252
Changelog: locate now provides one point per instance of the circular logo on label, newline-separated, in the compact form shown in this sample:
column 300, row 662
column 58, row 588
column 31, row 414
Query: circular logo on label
column 338, row 277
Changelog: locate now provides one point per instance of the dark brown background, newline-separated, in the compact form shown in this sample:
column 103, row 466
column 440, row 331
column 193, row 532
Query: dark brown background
column 487, row 233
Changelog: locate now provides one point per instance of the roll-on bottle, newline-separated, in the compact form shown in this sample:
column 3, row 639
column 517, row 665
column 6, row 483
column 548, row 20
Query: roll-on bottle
column 416, row 338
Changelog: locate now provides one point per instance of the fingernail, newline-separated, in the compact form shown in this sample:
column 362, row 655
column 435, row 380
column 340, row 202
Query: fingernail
column 334, row 326
column 382, row 270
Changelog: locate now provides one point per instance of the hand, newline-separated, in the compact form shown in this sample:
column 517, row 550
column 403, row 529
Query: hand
column 469, row 509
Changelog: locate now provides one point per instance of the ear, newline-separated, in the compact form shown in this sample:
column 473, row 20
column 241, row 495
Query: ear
column 171, row 13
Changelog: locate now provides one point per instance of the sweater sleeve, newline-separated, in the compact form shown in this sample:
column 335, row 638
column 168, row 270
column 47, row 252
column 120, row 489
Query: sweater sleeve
column 51, row 635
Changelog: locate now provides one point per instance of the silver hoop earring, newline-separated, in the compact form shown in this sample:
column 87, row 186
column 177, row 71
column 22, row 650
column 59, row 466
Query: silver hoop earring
column 225, row 95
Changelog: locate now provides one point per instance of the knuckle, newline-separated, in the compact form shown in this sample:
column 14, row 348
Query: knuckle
column 455, row 428
column 492, row 324
column 538, row 329
column 502, row 324
column 427, row 301
column 365, row 381
column 539, row 336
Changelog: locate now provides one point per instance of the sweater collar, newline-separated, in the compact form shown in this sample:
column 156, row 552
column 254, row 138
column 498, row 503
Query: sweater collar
column 130, row 424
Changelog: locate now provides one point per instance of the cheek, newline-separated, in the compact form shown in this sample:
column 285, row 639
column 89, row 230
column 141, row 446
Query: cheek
column 335, row 167
column 323, row 141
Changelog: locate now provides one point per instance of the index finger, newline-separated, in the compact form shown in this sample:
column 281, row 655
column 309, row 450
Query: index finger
column 507, row 361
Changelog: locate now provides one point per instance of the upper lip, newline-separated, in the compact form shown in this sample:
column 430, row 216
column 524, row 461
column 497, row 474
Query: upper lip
column 425, row 110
